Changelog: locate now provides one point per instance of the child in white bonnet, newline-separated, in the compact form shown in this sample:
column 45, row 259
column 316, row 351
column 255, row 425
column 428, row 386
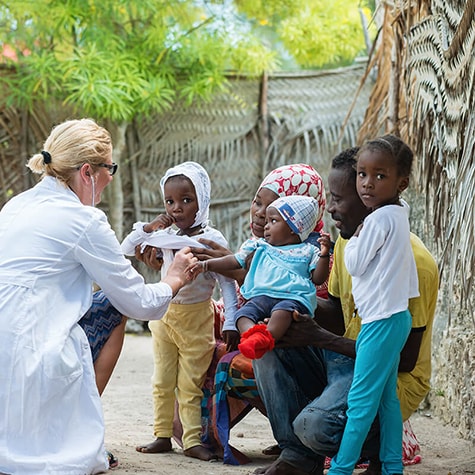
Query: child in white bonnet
column 183, row 340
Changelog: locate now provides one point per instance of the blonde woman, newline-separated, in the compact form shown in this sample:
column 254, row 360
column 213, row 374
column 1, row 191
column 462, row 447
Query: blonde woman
column 55, row 244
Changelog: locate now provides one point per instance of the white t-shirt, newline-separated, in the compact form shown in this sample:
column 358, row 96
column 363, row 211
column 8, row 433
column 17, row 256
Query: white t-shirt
column 381, row 263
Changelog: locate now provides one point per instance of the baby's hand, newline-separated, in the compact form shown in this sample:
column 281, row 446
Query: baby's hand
column 325, row 243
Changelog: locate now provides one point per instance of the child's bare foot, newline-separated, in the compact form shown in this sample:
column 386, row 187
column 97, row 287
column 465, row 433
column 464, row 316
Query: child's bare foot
column 158, row 446
column 201, row 453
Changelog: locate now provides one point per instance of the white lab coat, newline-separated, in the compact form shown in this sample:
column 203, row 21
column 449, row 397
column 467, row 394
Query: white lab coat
column 52, row 249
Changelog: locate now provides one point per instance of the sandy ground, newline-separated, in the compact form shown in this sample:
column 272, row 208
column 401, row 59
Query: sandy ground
column 128, row 413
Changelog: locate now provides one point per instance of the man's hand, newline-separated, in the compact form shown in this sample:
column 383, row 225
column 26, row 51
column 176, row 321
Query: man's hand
column 303, row 331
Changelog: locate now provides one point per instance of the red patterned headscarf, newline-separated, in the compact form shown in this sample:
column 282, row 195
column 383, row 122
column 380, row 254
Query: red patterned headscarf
column 298, row 179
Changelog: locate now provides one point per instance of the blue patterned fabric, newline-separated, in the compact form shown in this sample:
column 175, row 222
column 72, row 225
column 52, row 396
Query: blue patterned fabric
column 99, row 321
column 222, row 409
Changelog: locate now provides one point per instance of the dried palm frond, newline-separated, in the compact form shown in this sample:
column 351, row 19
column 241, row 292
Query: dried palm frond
column 430, row 104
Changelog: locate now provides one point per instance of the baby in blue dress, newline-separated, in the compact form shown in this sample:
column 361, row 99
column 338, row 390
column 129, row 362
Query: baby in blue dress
column 282, row 271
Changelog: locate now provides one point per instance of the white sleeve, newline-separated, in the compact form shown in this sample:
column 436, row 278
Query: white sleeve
column 361, row 250
column 102, row 257
column 227, row 285
column 134, row 238
column 228, row 291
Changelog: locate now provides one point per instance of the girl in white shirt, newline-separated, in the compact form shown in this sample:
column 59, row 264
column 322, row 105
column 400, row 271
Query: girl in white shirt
column 380, row 260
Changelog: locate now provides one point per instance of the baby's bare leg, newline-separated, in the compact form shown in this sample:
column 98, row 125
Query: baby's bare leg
column 279, row 322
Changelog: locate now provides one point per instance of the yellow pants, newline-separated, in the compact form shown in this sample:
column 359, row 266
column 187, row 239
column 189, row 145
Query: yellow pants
column 183, row 345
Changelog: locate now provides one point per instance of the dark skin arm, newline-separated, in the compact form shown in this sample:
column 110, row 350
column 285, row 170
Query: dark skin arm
column 329, row 315
column 232, row 339
column 410, row 352
column 215, row 250
column 305, row 331
column 322, row 270
column 149, row 257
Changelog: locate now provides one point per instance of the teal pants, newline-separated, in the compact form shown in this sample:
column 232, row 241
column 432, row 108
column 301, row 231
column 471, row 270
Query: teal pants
column 372, row 392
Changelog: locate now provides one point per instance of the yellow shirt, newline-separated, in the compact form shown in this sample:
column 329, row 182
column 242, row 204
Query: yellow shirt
column 412, row 386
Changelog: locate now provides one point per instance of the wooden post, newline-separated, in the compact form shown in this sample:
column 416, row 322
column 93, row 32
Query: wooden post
column 263, row 124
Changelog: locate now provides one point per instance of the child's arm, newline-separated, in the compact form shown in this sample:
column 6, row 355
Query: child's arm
column 141, row 231
column 322, row 270
column 162, row 221
column 218, row 265
column 229, row 330
column 214, row 250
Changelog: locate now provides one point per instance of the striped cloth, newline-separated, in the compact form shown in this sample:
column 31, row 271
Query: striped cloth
column 99, row 321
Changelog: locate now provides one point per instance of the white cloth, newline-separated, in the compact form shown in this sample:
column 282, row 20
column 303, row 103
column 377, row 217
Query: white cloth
column 202, row 287
column 53, row 249
column 381, row 263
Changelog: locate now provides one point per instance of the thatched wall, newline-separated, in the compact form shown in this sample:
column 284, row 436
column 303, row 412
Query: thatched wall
column 425, row 91
column 238, row 138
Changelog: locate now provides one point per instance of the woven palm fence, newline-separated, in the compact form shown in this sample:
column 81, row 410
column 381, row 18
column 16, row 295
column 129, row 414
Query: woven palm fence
column 425, row 91
column 238, row 137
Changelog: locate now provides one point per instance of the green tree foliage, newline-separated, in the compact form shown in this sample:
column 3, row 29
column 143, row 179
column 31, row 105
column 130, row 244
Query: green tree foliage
column 116, row 59
column 316, row 33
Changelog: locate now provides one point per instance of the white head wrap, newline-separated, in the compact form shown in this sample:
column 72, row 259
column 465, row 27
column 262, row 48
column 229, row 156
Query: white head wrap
column 200, row 179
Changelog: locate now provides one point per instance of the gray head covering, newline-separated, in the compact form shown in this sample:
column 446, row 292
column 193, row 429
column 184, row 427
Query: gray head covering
column 301, row 213
column 200, row 179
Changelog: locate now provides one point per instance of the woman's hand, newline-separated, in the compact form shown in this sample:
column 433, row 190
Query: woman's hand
column 176, row 276
column 149, row 257
column 194, row 270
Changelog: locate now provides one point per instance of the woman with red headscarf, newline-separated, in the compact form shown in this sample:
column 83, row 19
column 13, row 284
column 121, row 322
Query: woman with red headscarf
column 295, row 179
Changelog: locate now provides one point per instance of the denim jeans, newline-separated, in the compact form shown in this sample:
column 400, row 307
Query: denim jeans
column 320, row 425
column 289, row 379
